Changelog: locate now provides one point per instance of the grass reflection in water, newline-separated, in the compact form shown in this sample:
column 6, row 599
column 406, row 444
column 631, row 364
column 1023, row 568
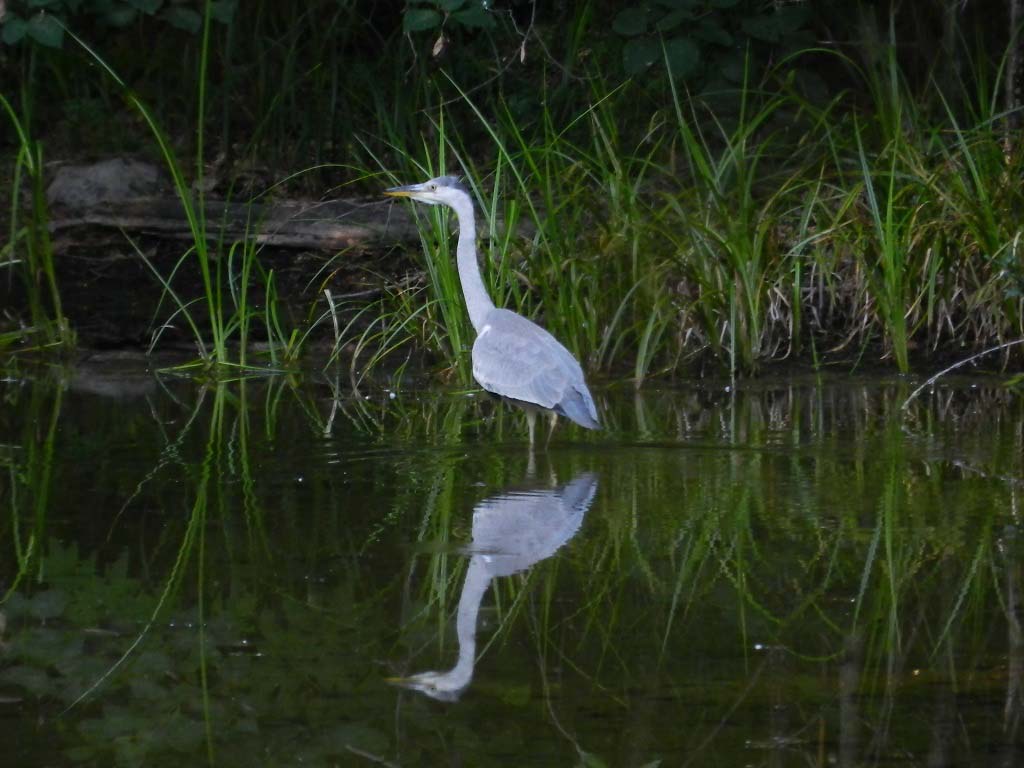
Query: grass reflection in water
column 790, row 571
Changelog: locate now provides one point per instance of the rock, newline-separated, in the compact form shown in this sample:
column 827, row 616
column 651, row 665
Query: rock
column 116, row 180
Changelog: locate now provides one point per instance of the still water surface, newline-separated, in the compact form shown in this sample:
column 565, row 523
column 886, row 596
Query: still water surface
column 780, row 573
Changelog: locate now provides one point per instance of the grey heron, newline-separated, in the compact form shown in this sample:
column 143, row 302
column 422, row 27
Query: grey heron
column 513, row 357
column 511, row 532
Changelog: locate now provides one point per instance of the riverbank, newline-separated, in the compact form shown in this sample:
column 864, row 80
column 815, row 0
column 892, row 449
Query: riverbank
column 825, row 205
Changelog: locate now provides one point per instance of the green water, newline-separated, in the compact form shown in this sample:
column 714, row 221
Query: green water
column 782, row 573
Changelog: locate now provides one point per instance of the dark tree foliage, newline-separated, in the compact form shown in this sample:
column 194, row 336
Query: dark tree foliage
column 297, row 81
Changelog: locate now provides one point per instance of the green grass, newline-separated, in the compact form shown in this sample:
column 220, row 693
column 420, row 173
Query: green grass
column 751, row 233
column 29, row 250
column 230, row 272
column 655, row 230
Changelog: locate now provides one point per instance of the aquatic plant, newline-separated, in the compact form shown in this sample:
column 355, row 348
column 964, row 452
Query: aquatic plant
column 808, row 548
column 29, row 250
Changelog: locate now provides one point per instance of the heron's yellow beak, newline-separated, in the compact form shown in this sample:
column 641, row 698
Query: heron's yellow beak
column 396, row 680
column 405, row 191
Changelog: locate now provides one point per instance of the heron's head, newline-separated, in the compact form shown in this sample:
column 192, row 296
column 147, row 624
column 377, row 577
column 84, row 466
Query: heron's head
column 443, row 190
column 437, row 685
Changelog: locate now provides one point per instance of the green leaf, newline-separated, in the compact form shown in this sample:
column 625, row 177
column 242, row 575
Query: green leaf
column 631, row 21
column 639, row 53
column 448, row 6
column 723, row 3
column 223, row 10
column 417, row 19
column 120, row 17
column 14, row 29
column 683, row 56
column 679, row 5
column 182, row 18
column 149, row 7
column 670, row 21
column 731, row 66
column 475, row 18
column 46, row 30
column 42, row 3
column 791, row 17
column 799, row 39
column 771, row 27
column 761, row 28
column 710, row 31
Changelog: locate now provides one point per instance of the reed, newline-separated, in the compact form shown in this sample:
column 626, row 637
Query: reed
column 29, row 250
column 652, row 229
column 228, row 271
column 750, row 234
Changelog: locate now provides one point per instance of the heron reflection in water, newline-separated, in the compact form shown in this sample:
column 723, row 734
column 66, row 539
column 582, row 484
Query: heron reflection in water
column 513, row 357
column 511, row 532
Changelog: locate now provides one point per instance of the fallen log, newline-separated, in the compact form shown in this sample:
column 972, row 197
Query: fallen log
column 135, row 196
column 328, row 226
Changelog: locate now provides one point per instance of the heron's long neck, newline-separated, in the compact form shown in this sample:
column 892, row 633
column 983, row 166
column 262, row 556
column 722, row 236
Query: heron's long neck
column 477, row 301
column 473, row 590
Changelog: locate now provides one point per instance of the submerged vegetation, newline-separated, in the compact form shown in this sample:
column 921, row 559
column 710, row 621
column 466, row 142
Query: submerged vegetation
column 711, row 184
column 242, row 564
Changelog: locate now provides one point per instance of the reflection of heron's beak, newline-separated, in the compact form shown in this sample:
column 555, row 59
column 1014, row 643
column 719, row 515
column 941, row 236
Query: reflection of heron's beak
column 412, row 683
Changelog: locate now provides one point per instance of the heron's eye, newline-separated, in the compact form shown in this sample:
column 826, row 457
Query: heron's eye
column 433, row 187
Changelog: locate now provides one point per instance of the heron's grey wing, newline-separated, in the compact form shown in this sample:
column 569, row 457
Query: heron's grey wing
column 516, row 358
column 579, row 493
column 512, row 531
column 503, row 524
